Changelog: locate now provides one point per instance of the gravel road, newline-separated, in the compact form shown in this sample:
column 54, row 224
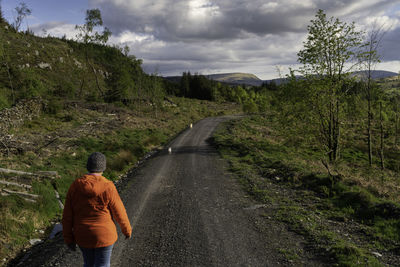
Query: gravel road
column 186, row 210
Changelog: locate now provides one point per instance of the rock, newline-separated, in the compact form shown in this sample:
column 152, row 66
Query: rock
column 377, row 254
column 44, row 65
column 77, row 63
column 28, row 45
column 36, row 53
column 35, row 241
column 61, row 60
column 56, row 229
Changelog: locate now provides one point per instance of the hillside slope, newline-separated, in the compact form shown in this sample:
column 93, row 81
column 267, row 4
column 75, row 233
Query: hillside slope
column 59, row 68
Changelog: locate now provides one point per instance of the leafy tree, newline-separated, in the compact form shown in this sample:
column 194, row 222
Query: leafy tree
column 249, row 106
column 88, row 36
column 328, row 55
column 86, row 31
column 185, row 84
column 370, row 58
column 22, row 12
column 1, row 13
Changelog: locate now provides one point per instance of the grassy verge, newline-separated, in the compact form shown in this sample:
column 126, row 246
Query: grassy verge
column 350, row 217
column 61, row 140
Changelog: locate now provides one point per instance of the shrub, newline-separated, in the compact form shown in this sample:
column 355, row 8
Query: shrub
column 4, row 103
column 121, row 160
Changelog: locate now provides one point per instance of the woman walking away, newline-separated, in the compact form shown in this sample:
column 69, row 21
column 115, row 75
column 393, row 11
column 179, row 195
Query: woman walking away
column 91, row 204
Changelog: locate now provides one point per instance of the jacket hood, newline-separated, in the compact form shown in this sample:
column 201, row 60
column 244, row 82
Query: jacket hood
column 91, row 185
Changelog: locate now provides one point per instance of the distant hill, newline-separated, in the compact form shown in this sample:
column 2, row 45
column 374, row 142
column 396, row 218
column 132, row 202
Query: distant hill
column 229, row 78
column 376, row 74
column 236, row 78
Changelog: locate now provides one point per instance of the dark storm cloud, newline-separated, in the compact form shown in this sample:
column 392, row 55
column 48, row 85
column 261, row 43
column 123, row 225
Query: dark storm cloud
column 198, row 19
column 390, row 49
column 230, row 35
column 224, row 19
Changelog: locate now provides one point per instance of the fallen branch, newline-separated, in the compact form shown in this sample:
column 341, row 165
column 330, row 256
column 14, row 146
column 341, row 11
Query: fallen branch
column 37, row 174
column 17, row 172
column 20, row 193
column 49, row 143
column 59, row 200
column 15, row 184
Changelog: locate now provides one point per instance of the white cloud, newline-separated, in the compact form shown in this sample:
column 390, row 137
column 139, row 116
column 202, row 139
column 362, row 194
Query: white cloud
column 55, row 28
column 232, row 35
column 387, row 23
column 389, row 66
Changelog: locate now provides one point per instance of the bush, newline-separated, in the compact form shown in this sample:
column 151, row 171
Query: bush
column 53, row 107
column 31, row 85
column 249, row 106
column 121, row 160
column 4, row 103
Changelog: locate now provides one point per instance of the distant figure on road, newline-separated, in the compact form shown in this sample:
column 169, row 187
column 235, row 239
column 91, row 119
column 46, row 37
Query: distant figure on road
column 91, row 204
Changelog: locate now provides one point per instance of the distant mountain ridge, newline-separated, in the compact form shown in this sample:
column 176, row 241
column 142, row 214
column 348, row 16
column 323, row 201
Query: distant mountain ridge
column 253, row 80
column 239, row 78
column 376, row 74
column 236, row 78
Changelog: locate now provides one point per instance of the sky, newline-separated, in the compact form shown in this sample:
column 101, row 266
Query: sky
column 261, row 37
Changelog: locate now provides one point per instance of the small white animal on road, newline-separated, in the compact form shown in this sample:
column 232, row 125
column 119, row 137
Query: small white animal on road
column 169, row 150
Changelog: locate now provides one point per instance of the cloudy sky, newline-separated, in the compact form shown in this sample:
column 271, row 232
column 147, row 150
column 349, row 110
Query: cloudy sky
column 214, row 36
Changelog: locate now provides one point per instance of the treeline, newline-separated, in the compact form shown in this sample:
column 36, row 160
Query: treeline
column 199, row 86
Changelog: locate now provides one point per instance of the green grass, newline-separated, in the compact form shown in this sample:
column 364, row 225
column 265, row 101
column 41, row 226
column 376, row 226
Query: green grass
column 262, row 157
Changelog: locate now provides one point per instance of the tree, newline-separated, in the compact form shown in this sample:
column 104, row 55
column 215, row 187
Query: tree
column 22, row 12
column 1, row 13
column 88, row 36
column 370, row 58
column 328, row 55
column 185, row 84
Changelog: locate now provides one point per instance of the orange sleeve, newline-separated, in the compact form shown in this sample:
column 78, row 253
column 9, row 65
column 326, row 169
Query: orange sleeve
column 68, row 218
column 118, row 211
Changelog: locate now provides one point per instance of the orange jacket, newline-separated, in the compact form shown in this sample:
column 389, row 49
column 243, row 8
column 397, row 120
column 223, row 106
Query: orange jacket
column 91, row 204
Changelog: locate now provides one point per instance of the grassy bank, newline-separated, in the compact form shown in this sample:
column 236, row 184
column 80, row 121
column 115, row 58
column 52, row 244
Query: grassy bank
column 61, row 140
column 350, row 217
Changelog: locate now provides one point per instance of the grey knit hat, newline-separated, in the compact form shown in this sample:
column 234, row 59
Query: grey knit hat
column 96, row 162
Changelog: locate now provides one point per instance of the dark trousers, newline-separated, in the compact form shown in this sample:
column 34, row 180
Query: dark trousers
column 97, row 257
